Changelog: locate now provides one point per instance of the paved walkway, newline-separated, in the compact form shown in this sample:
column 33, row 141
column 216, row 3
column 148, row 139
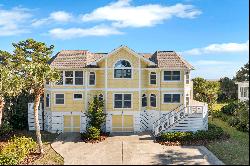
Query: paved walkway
column 128, row 150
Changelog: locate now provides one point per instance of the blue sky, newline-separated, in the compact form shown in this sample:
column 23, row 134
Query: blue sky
column 210, row 34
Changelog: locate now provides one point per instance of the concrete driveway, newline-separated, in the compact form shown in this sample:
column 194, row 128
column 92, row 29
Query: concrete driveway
column 129, row 149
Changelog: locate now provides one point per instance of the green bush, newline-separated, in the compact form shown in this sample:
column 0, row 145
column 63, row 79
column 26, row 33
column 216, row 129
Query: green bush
column 16, row 150
column 213, row 132
column 5, row 128
column 92, row 134
column 230, row 108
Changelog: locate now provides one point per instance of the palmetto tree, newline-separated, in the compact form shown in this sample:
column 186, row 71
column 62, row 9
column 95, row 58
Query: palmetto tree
column 34, row 57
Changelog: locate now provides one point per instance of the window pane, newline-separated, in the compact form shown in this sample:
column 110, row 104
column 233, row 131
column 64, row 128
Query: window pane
column 100, row 97
column 144, row 100
column 78, row 73
column 69, row 81
column 176, row 72
column 153, row 100
column 176, row 98
column 91, row 78
column 47, row 100
column 152, row 81
column 118, row 73
column 79, row 81
column 59, row 95
column 167, row 98
column 176, row 78
column 59, row 101
column 78, row 96
column 127, row 96
column 126, row 73
column 122, row 63
column 68, row 73
column 118, row 96
column 167, row 73
column 167, row 78
column 118, row 104
column 127, row 104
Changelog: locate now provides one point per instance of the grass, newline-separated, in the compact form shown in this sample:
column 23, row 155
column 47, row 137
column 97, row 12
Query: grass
column 50, row 157
column 235, row 150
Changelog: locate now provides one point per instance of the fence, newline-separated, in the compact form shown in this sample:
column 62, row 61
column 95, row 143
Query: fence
column 31, row 117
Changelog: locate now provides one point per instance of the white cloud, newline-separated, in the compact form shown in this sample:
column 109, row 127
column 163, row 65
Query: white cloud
column 219, row 48
column 58, row 16
column 81, row 32
column 14, row 21
column 123, row 14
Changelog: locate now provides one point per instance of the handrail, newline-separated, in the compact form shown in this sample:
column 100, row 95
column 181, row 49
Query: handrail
column 168, row 113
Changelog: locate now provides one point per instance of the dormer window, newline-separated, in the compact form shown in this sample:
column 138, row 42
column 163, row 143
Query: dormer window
column 122, row 69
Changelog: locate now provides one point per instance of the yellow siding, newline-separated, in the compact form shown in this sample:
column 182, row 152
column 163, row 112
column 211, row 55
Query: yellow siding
column 69, row 103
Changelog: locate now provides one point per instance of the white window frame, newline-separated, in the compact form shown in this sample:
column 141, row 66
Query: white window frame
column 150, row 78
column 155, row 99
column 46, row 100
column 89, row 78
column 123, row 100
column 171, row 80
column 64, row 81
column 131, row 68
column 63, row 98
column 77, row 98
column 171, row 93
column 78, row 77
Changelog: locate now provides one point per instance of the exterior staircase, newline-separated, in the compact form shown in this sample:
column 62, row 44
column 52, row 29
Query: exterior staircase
column 189, row 118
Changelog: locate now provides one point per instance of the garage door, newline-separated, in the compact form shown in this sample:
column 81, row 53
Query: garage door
column 71, row 123
column 122, row 123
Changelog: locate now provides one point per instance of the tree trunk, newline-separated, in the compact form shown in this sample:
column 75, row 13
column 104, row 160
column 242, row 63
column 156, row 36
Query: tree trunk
column 2, row 103
column 37, row 126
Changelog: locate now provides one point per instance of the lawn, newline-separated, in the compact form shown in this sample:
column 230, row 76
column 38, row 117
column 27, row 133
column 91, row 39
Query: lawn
column 235, row 150
column 50, row 157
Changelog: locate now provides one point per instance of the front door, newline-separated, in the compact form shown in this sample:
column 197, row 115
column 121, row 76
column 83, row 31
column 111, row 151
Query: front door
column 122, row 123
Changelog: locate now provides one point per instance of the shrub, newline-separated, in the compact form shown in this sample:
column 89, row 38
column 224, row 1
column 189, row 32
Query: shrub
column 91, row 134
column 5, row 128
column 16, row 150
column 213, row 132
column 230, row 108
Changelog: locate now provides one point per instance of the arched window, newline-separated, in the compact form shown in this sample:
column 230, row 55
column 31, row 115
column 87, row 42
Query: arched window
column 153, row 100
column 144, row 100
column 101, row 97
column 153, row 78
column 122, row 69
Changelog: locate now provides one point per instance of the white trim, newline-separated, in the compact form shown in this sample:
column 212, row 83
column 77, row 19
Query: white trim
column 63, row 98
column 106, row 84
column 89, row 78
column 122, row 101
column 171, row 94
column 77, row 98
column 113, row 89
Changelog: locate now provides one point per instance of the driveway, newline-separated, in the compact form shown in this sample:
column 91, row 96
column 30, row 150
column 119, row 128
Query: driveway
column 129, row 149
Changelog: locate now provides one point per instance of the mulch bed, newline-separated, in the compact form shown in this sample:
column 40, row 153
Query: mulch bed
column 31, row 158
column 102, row 138
column 192, row 142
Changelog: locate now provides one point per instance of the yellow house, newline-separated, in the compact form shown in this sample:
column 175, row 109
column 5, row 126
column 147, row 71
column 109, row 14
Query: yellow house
column 139, row 90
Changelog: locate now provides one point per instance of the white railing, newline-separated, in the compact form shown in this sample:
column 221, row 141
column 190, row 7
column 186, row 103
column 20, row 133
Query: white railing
column 166, row 121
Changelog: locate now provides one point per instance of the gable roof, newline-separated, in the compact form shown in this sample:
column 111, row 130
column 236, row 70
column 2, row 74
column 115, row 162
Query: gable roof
column 129, row 50
column 78, row 59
